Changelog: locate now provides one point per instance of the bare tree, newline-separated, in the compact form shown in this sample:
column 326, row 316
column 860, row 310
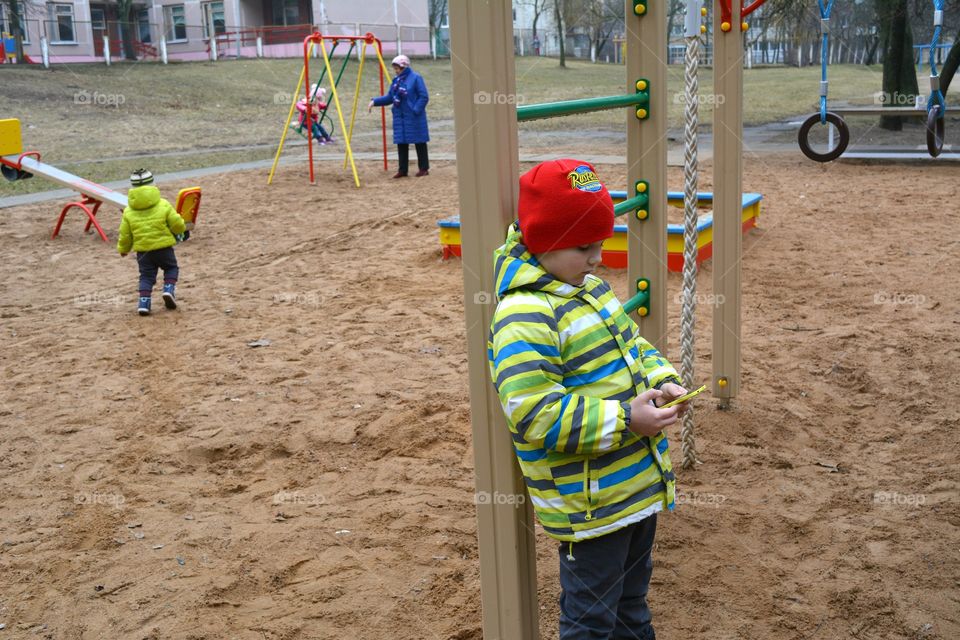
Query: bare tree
column 559, row 14
column 437, row 10
column 124, row 17
column 899, row 74
column 599, row 18
column 16, row 15
column 538, row 7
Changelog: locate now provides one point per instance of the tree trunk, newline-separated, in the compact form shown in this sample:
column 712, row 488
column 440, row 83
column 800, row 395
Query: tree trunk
column 899, row 75
column 15, row 9
column 128, row 39
column 558, row 15
column 950, row 65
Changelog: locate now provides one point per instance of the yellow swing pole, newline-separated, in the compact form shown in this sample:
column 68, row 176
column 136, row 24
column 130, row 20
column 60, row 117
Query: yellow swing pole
column 383, row 65
column 343, row 127
column 356, row 96
column 286, row 125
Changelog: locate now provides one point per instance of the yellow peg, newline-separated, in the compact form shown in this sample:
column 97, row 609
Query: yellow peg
column 643, row 311
column 642, row 214
column 703, row 11
column 703, row 28
column 724, row 26
column 642, row 187
column 744, row 26
column 722, row 382
column 642, row 285
column 641, row 113
column 641, row 85
column 639, row 9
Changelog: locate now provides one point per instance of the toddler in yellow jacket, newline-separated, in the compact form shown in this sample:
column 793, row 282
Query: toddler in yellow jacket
column 150, row 225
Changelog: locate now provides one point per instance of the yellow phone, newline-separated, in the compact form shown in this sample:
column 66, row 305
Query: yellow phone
column 684, row 397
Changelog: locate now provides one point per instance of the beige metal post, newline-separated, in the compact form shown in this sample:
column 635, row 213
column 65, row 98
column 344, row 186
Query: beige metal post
column 487, row 169
column 646, row 50
column 727, row 185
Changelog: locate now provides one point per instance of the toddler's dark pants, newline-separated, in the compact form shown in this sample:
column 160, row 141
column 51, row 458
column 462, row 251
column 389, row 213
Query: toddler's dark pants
column 604, row 588
column 150, row 261
column 319, row 132
column 403, row 154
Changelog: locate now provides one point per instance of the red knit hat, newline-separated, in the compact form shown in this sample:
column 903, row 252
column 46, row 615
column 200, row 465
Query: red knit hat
column 563, row 204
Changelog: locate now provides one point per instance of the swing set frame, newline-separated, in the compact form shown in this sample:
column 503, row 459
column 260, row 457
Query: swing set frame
column 303, row 88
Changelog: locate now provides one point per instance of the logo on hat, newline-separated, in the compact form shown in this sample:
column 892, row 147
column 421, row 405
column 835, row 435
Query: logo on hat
column 584, row 179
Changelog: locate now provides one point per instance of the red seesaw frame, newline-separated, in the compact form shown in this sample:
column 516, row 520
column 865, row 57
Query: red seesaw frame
column 82, row 204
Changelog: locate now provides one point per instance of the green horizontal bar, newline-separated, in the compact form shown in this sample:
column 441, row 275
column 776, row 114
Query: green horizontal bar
column 635, row 202
column 636, row 301
column 584, row 105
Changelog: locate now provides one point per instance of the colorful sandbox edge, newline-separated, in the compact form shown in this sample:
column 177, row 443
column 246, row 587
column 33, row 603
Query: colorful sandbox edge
column 615, row 249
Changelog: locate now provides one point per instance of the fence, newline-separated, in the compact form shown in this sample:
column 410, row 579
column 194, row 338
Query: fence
column 65, row 40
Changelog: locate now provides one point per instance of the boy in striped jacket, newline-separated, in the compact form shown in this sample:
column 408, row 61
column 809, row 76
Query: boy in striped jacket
column 581, row 391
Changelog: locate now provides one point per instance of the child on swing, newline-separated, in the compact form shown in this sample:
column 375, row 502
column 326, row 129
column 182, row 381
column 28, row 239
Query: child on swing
column 318, row 106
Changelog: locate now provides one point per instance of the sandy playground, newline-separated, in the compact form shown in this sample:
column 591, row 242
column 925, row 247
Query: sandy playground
column 160, row 478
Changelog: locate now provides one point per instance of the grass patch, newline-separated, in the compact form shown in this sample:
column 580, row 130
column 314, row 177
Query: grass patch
column 92, row 118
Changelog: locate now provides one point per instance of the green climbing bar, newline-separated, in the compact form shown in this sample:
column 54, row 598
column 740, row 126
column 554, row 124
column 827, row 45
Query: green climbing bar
column 584, row 105
column 636, row 202
column 641, row 299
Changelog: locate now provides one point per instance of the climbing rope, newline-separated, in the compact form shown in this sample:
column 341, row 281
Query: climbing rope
column 689, row 305
column 936, row 106
column 824, row 116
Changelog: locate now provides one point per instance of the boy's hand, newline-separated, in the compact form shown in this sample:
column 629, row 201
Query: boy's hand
column 648, row 420
column 671, row 391
column 370, row 106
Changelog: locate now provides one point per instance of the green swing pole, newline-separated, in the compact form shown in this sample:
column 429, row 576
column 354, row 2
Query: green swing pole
column 640, row 99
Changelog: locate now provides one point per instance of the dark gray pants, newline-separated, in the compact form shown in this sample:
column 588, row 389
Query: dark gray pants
column 604, row 587
column 152, row 261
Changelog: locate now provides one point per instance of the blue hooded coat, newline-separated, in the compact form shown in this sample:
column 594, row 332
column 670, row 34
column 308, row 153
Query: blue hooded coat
column 409, row 97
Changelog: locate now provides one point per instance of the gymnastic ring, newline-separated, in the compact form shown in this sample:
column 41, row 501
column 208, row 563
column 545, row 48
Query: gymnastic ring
column 803, row 137
column 935, row 130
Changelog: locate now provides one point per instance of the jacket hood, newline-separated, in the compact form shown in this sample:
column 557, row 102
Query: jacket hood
column 516, row 268
column 143, row 197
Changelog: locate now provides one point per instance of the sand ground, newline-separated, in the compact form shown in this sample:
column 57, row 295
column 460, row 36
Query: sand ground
column 160, row 478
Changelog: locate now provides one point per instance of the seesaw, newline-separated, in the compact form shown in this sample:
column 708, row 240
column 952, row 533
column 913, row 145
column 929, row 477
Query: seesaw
column 615, row 248
column 16, row 164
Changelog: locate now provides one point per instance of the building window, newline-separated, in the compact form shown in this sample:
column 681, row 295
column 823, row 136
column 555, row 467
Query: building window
column 213, row 19
column 143, row 25
column 60, row 23
column 286, row 12
column 175, row 23
column 97, row 20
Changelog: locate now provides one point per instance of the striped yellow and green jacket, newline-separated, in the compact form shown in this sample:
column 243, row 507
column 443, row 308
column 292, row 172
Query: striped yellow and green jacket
column 566, row 361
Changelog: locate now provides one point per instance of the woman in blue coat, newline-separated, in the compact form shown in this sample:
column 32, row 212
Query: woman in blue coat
column 408, row 95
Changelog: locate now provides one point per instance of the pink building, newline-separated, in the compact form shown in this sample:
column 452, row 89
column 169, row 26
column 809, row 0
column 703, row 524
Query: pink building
column 75, row 30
